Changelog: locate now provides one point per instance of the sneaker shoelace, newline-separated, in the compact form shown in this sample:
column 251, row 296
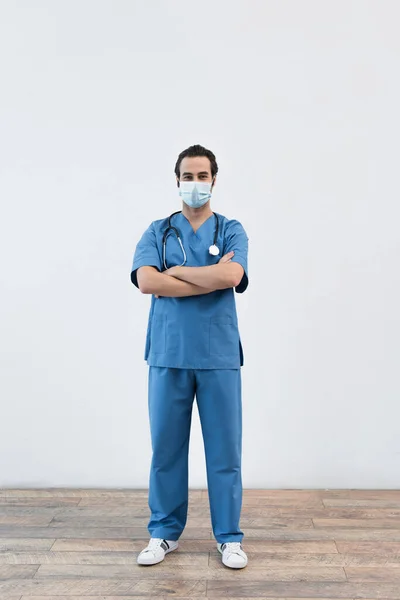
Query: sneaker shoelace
column 154, row 544
column 233, row 547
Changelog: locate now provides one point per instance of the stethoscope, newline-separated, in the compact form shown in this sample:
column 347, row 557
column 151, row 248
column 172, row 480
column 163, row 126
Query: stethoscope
column 213, row 249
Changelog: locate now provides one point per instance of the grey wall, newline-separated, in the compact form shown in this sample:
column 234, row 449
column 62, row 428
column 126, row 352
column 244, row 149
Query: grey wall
column 299, row 101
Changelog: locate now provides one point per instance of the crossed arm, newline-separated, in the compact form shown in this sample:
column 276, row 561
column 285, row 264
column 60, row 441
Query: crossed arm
column 190, row 281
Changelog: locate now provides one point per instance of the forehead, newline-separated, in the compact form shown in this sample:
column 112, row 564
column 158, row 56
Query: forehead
column 195, row 164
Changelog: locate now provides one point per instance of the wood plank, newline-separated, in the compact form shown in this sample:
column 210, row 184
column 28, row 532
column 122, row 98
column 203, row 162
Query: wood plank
column 261, row 560
column 345, row 512
column 61, row 520
column 361, row 574
column 131, row 501
column 235, row 588
column 204, row 534
column 358, row 493
column 265, row 492
column 38, row 501
column 177, row 558
column 95, row 532
column 28, row 511
column 103, row 587
column 17, row 571
column 83, row 493
column 25, row 544
column 103, row 545
column 196, row 511
column 376, row 548
column 32, row 520
column 323, row 534
column 168, row 570
column 165, row 598
column 358, row 523
column 309, row 502
column 204, row 502
column 189, row 545
column 362, row 502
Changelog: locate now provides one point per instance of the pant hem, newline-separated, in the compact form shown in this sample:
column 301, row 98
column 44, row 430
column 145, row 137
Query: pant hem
column 229, row 539
column 165, row 534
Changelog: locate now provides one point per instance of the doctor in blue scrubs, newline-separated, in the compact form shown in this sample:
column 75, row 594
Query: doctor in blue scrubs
column 191, row 263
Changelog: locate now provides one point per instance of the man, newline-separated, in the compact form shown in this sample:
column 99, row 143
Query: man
column 191, row 263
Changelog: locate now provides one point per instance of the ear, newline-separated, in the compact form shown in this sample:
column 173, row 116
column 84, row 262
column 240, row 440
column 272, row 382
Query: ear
column 177, row 181
column 213, row 183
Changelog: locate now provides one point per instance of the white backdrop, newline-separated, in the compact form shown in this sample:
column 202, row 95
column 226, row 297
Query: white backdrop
column 299, row 101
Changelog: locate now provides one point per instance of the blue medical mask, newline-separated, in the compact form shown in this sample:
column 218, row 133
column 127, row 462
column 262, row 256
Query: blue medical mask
column 195, row 193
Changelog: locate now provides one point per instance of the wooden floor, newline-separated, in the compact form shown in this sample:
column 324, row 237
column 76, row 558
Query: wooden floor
column 70, row 544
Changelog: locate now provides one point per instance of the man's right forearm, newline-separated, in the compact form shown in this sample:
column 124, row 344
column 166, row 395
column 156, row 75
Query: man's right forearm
column 152, row 281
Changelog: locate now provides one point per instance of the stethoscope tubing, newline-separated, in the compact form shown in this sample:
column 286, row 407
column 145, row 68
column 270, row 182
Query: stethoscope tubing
column 170, row 227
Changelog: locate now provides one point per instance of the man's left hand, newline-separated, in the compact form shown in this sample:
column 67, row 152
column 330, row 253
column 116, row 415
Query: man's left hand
column 172, row 271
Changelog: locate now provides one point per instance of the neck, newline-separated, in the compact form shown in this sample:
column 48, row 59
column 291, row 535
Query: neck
column 194, row 215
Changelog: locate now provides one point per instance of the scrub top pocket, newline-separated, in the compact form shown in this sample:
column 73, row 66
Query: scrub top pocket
column 158, row 334
column 224, row 337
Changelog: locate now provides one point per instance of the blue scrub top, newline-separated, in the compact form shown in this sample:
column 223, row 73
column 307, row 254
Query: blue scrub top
column 194, row 332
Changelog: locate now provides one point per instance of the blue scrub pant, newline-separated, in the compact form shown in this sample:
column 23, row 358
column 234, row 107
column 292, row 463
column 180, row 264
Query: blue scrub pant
column 218, row 395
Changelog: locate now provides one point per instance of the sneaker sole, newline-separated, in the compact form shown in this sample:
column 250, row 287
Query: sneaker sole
column 148, row 564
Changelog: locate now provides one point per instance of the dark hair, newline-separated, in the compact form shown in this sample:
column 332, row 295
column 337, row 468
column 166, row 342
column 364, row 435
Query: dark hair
column 197, row 150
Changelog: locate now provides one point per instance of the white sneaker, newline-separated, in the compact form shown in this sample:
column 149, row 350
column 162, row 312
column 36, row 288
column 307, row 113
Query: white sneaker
column 155, row 551
column 232, row 555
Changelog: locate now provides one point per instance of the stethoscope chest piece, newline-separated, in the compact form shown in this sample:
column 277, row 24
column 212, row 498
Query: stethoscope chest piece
column 213, row 250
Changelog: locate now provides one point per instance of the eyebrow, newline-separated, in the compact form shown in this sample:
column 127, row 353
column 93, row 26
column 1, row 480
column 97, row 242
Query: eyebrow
column 201, row 173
